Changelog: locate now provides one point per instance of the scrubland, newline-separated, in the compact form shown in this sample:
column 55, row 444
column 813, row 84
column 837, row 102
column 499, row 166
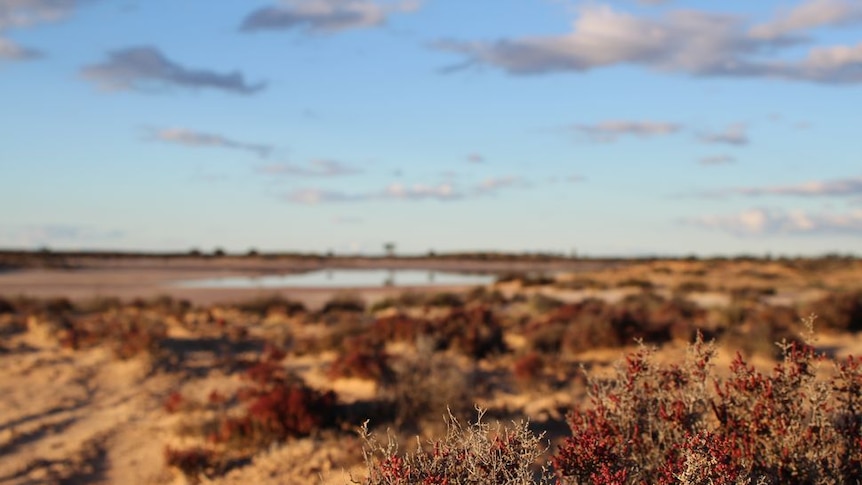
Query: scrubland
column 649, row 372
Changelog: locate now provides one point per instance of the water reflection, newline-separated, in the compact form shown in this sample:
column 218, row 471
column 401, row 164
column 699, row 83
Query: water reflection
column 346, row 278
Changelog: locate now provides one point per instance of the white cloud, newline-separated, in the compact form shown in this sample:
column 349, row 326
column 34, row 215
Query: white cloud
column 192, row 138
column 609, row 131
column 761, row 221
column 679, row 41
column 325, row 16
column 812, row 14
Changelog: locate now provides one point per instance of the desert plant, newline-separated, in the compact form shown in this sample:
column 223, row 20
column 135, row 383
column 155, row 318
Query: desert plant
column 192, row 462
column 423, row 385
column 364, row 358
column 272, row 304
column 344, row 302
column 654, row 423
column 840, row 311
column 477, row 454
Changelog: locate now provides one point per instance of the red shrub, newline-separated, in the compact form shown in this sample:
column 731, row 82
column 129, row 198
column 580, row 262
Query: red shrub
column 659, row 424
column 362, row 358
column 174, row 402
column 275, row 414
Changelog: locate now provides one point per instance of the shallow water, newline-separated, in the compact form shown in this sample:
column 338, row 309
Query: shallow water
column 345, row 278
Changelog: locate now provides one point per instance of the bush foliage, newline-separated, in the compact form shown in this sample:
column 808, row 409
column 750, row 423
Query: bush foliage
column 672, row 423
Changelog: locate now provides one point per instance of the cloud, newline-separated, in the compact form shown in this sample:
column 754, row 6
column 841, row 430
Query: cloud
column 713, row 160
column 19, row 14
column 48, row 234
column 475, row 158
column 493, row 184
column 761, row 221
column 610, row 131
column 11, row 51
column 812, row 14
column 681, row 41
column 576, row 179
column 315, row 168
column 445, row 191
column 191, row 138
column 144, row 67
column 830, row 188
column 310, row 196
column 732, row 135
column 324, row 16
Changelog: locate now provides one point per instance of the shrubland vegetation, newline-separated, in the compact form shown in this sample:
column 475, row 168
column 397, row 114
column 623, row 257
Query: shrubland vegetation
column 269, row 372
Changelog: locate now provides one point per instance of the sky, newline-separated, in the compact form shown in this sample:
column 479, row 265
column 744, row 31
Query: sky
column 602, row 128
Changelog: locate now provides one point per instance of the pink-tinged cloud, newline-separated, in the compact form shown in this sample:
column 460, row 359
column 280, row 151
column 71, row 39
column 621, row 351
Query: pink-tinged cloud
column 846, row 187
column 443, row 192
column 764, row 221
column 687, row 42
column 191, row 138
column 611, row 130
column 315, row 168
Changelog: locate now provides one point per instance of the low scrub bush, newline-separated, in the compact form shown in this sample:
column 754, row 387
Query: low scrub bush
column 272, row 304
column 527, row 369
column 840, row 311
column 192, row 462
column 127, row 335
column 654, row 423
column 364, row 358
column 425, row 384
column 543, row 303
column 659, row 423
column 474, row 454
column 476, row 332
column 592, row 323
column 444, row 300
column 275, row 413
column 344, row 302
column 277, row 405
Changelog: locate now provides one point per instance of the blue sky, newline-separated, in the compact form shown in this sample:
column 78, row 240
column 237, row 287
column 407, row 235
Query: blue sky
column 607, row 127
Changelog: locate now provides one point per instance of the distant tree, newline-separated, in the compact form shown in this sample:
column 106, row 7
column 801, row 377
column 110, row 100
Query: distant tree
column 195, row 252
column 218, row 252
column 390, row 249
column 252, row 253
column 432, row 253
